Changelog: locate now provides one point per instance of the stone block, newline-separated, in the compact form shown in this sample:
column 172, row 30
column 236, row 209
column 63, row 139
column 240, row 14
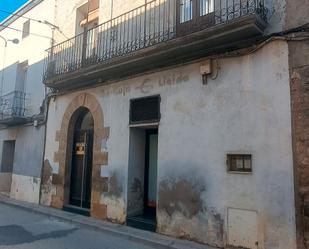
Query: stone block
column 98, row 211
column 57, row 202
column 100, row 158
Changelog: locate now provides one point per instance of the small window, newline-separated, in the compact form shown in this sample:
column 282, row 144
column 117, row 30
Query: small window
column 26, row 29
column 239, row 163
column 145, row 110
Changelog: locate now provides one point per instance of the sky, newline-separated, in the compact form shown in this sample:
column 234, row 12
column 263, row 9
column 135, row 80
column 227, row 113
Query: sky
column 10, row 6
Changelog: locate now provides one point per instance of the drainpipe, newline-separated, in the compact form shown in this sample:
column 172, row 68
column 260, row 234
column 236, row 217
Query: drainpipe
column 46, row 103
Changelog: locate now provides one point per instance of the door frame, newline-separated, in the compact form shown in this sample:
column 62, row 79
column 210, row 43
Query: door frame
column 147, row 209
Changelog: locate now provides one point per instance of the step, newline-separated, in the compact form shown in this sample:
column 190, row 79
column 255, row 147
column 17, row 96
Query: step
column 142, row 222
column 77, row 210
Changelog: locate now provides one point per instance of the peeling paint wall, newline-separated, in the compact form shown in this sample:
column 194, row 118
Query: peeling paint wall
column 136, row 171
column 5, row 183
column 114, row 198
column 182, row 210
column 199, row 125
column 46, row 184
column 25, row 188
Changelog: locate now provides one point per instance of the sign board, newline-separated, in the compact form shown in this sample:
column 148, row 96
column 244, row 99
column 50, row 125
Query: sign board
column 80, row 148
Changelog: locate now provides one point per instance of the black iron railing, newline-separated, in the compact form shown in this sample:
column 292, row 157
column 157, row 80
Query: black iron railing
column 147, row 25
column 12, row 105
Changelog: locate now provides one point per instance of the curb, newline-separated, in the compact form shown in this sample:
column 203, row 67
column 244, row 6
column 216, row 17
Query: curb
column 148, row 238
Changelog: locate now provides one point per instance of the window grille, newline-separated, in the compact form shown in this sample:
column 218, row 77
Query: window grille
column 145, row 110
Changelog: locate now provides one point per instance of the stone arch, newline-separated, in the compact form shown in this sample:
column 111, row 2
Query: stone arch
column 64, row 154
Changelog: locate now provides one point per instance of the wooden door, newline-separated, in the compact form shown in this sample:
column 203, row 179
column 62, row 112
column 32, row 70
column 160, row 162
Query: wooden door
column 80, row 189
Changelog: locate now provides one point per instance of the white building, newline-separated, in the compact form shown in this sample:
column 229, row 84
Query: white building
column 158, row 123
column 22, row 93
column 168, row 115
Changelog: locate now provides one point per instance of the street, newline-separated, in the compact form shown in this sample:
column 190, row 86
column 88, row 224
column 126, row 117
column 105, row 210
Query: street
column 22, row 229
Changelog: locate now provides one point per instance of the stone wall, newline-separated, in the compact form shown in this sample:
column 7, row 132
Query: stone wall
column 297, row 15
column 299, row 69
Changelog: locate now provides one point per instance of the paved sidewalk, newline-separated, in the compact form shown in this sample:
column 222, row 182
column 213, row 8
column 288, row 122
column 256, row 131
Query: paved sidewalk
column 127, row 233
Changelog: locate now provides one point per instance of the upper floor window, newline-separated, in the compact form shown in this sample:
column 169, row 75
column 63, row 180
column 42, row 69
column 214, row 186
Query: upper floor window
column 194, row 15
column 186, row 10
column 87, row 16
column 206, row 7
column 26, row 29
column 21, row 76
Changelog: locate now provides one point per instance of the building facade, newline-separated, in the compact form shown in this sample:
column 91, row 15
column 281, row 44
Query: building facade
column 22, row 46
column 299, row 72
column 184, row 117
column 173, row 116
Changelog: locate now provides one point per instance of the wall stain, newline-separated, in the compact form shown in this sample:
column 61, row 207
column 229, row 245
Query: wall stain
column 217, row 224
column 47, row 172
column 35, row 180
column 136, row 186
column 184, row 213
column 114, row 187
column 182, row 196
column 46, row 183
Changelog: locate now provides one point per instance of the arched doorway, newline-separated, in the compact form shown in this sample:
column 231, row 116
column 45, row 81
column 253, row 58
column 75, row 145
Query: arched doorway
column 81, row 163
column 61, row 181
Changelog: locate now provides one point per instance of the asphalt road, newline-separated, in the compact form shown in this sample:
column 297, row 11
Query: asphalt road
column 22, row 229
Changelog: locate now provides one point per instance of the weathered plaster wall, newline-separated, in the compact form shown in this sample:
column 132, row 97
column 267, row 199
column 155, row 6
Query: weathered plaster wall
column 25, row 188
column 5, row 182
column 24, row 152
column 245, row 109
column 136, row 172
column 27, row 161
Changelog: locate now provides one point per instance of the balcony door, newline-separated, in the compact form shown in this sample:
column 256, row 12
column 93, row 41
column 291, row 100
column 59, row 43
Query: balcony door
column 194, row 15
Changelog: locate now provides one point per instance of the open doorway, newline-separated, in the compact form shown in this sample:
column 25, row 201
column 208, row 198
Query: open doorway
column 143, row 156
column 142, row 191
column 81, row 164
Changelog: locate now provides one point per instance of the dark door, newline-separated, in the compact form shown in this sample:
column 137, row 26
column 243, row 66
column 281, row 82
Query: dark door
column 150, row 192
column 80, row 190
column 81, row 170
column 194, row 15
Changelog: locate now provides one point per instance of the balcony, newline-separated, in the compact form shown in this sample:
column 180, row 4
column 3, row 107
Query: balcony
column 158, row 34
column 12, row 108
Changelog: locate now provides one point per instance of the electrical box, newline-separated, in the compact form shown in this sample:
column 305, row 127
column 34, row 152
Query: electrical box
column 205, row 67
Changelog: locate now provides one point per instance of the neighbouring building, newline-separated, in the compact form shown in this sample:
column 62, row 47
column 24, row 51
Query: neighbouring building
column 23, row 41
column 184, row 117
column 297, row 18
